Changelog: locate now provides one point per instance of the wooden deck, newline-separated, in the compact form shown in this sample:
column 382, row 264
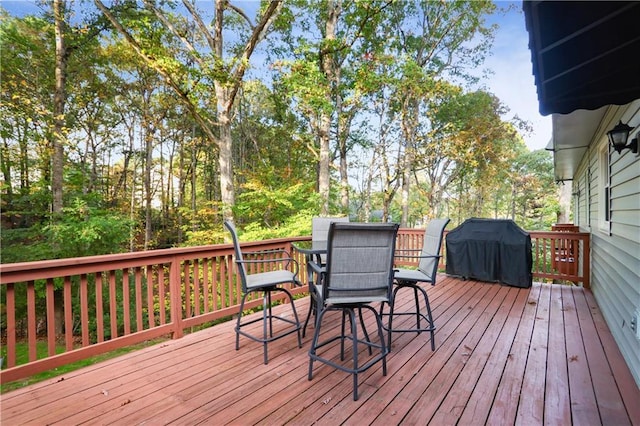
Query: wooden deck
column 503, row 356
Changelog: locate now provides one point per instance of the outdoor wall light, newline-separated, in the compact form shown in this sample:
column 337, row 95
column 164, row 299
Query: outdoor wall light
column 618, row 138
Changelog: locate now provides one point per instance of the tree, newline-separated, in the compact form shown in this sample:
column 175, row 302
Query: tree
column 205, row 70
column 26, row 111
column 469, row 144
column 322, row 78
column 435, row 40
column 58, row 135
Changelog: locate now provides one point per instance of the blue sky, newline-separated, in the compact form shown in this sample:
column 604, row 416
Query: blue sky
column 510, row 62
column 512, row 80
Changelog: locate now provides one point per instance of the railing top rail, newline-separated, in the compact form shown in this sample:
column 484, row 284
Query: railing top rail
column 559, row 234
column 14, row 272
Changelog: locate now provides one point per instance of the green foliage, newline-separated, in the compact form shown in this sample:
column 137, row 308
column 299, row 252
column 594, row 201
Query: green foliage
column 298, row 224
column 273, row 205
column 466, row 160
column 85, row 231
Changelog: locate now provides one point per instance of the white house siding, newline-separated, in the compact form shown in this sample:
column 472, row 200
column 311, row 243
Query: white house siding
column 615, row 258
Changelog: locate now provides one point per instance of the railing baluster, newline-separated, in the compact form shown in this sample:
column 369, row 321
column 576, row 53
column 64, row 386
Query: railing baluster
column 205, row 283
column 150, row 296
column 68, row 315
column 31, row 320
column 126, row 307
column 162, row 296
column 138, row 284
column 113, row 305
column 216, row 278
column 187, row 288
column 196, row 286
column 11, row 325
column 51, row 318
column 84, row 309
column 175, row 296
column 99, row 307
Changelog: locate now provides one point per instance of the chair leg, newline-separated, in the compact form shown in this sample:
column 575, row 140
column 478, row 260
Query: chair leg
column 342, row 330
column 295, row 315
column 266, row 316
column 354, row 336
column 314, row 342
column 244, row 297
column 416, row 299
column 391, row 314
column 364, row 330
column 384, row 350
column 312, row 309
column 355, row 369
column 429, row 317
column 419, row 316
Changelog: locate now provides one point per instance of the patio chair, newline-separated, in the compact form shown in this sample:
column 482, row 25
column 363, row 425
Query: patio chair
column 411, row 278
column 267, row 283
column 359, row 271
column 319, row 235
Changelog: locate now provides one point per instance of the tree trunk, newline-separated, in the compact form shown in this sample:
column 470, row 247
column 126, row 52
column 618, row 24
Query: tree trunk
column 59, row 99
column 329, row 69
column 225, row 162
column 564, row 216
column 194, row 184
column 409, row 126
column 324, row 165
column 148, row 163
column 58, row 137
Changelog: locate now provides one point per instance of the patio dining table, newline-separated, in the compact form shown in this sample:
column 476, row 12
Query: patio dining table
column 313, row 254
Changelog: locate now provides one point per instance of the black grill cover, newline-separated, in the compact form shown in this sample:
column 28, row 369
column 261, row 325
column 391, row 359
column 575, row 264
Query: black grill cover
column 494, row 250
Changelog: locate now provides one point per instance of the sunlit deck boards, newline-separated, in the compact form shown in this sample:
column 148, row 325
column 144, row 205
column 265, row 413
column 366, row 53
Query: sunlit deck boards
column 503, row 355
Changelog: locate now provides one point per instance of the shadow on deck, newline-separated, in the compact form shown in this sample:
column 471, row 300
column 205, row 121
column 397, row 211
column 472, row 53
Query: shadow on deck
column 503, row 355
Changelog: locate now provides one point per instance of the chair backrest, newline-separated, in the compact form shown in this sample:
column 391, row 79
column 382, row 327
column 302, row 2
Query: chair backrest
column 359, row 262
column 239, row 260
column 320, row 230
column 431, row 247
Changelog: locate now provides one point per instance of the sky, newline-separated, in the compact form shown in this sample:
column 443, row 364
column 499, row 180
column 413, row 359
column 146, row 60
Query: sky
column 510, row 62
column 512, row 80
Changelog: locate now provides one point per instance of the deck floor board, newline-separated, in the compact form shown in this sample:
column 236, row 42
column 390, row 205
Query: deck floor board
column 503, row 355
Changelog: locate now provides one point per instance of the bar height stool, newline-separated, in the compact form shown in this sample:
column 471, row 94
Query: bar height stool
column 267, row 283
column 359, row 272
column 411, row 278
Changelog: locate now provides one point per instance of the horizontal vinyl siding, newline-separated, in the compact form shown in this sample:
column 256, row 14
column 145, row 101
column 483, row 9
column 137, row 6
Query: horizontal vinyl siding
column 583, row 205
column 595, row 191
column 615, row 287
column 615, row 258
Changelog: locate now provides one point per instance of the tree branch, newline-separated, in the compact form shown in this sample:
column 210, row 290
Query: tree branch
column 152, row 63
column 161, row 16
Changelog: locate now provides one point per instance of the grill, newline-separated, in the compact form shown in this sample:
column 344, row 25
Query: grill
column 494, row 250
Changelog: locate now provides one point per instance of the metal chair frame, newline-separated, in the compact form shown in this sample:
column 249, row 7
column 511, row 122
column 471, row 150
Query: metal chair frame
column 266, row 282
column 353, row 279
column 319, row 232
column 411, row 278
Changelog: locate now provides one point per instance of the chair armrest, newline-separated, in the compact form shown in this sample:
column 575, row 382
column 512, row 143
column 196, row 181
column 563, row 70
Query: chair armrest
column 264, row 252
column 288, row 260
column 316, row 268
column 413, row 256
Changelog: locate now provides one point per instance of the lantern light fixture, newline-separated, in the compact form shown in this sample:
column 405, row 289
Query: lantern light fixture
column 618, row 137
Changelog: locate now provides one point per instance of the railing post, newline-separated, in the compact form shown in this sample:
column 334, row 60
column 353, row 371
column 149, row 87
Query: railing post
column 175, row 298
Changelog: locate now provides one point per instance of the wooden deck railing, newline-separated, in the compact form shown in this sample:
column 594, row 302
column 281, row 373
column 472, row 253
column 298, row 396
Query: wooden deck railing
column 82, row 307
